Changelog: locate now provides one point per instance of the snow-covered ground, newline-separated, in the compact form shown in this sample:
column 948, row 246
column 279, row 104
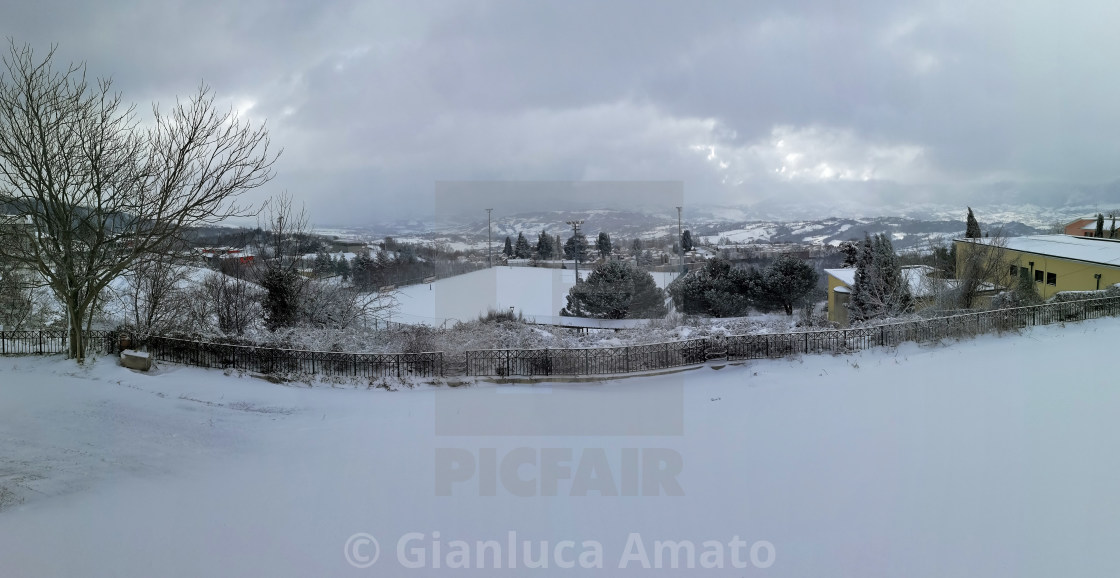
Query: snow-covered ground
column 988, row 457
column 535, row 292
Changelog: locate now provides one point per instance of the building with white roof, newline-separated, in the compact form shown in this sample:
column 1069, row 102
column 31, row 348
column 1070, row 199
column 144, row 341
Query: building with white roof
column 924, row 284
column 1055, row 262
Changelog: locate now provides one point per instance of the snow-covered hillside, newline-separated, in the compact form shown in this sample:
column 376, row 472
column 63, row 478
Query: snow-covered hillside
column 988, row 457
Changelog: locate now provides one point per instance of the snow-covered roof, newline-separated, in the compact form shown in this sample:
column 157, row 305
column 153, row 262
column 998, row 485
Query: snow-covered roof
column 917, row 276
column 1090, row 249
column 846, row 276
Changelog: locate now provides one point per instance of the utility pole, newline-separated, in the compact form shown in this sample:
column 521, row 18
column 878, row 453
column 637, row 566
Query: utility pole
column 489, row 253
column 575, row 236
column 680, row 240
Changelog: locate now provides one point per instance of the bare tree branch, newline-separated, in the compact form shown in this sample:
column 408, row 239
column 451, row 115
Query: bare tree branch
column 98, row 192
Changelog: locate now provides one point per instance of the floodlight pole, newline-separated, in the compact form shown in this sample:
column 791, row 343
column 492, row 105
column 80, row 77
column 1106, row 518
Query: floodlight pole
column 575, row 243
column 680, row 240
column 489, row 251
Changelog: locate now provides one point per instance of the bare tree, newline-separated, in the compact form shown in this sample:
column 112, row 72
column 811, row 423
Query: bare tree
column 153, row 295
column 328, row 304
column 99, row 189
column 17, row 299
column 980, row 262
column 231, row 300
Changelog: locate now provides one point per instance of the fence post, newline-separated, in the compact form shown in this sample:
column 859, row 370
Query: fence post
column 398, row 365
column 467, row 367
column 626, row 358
column 3, row 343
column 882, row 335
column 40, row 342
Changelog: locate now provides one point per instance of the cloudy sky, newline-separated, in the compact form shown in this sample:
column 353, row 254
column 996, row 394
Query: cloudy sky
column 809, row 103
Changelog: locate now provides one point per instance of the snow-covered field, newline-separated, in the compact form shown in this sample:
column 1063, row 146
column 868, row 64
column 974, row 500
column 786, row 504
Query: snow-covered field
column 988, row 457
column 535, row 292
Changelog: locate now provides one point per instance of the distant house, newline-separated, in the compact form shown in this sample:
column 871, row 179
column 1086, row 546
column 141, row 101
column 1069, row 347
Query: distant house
column 217, row 254
column 349, row 247
column 1085, row 227
column 16, row 229
column 1058, row 262
column 924, row 287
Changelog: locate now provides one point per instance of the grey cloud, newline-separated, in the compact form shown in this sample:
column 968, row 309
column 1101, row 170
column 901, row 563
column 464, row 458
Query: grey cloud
column 376, row 102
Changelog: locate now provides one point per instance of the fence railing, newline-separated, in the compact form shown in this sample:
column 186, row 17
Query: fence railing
column 294, row 361
column 635, row 358
column 52, row 341
column 566, row 361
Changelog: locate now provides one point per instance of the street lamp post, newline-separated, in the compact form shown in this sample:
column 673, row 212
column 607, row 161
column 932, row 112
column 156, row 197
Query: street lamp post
column 489, row 251
column 575, row 242
column 680, row 240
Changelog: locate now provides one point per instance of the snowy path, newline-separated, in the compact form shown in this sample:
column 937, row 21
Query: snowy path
column 886, row 463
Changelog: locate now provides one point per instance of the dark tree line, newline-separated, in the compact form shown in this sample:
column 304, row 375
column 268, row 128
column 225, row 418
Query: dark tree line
column 721, row 290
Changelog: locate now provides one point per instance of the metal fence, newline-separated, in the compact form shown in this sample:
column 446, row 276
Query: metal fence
column 634, row 358
column 294, row 361
column 586, row 360
column 565, row 361
column 52, row 341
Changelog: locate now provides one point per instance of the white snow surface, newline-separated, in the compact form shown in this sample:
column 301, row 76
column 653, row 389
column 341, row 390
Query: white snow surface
column 885, row 463
column 1104, row 251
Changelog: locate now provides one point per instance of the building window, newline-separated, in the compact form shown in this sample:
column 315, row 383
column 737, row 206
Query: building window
column 1038, row 276
column 1014, row 270
column 1024, row 272
column 1051, row 278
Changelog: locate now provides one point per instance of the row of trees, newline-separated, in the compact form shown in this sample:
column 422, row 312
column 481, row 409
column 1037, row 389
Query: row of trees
column 721, row 290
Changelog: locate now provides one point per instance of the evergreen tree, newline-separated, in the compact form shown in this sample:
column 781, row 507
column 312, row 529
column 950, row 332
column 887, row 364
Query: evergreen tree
column 603, row 245
column 281, row 298
column 576, row 248
column 544, row 246
column 896, row 287
column 972, row 227
column 850, row 250
column 522, row 250
column 362, row 271
column 323, row 266
column 1112, row 227
column 342, row 267
column 784, row 284
column 717, row 289
column 557, row 248
column 636, row 246
column 508, row 249
column 686, row 240
column 616, row 290
column 858, row 302
column 1100, row 226
column 880, row 289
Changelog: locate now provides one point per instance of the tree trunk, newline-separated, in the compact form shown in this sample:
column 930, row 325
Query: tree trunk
column 77, row 348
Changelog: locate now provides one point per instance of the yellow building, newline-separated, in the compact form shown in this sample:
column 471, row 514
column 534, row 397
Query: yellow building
column 1055, row 262
column 922, row 279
